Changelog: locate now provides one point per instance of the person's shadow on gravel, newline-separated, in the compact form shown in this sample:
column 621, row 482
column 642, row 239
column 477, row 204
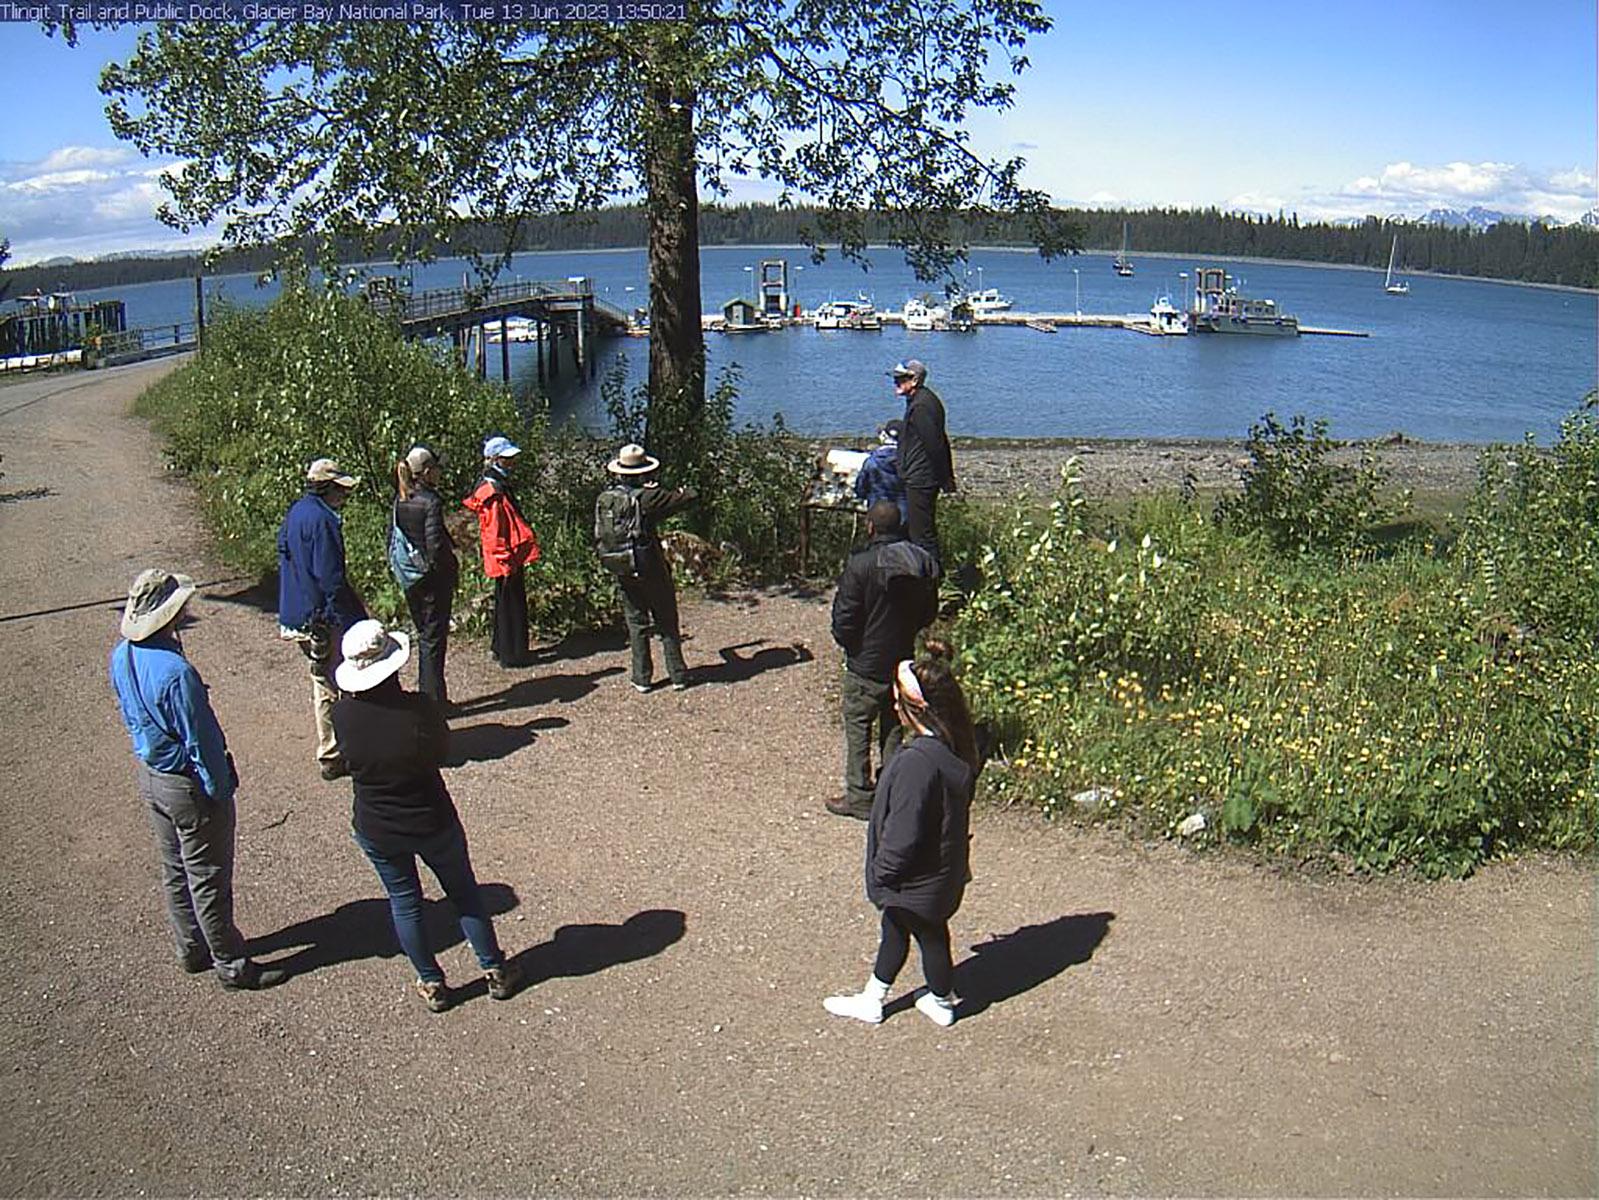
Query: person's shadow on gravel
column 530, row 693
column 1013, row 963
column 586, row 949
column 495, row 739
column 363, row 929
column 734, row 669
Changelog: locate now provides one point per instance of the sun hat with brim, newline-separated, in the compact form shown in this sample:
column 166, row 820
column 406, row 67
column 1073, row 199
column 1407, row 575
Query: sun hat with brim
column 154, row 599
column 500, row 447
column 371, row 655
column 326, row 470
column 631, row 460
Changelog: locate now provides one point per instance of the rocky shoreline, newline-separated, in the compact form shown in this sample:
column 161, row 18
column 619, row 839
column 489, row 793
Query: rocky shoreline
column 990, row 467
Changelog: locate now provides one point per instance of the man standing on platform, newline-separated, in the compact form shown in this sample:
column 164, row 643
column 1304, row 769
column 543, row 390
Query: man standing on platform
column 926, row 466
column 886, row 595
column 316, row 603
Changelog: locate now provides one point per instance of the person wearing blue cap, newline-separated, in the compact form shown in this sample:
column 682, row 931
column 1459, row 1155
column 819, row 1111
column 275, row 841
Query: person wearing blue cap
column 926, row 465
column 509, row 544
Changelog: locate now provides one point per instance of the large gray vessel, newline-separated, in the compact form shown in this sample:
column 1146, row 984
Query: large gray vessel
column 1218, row 308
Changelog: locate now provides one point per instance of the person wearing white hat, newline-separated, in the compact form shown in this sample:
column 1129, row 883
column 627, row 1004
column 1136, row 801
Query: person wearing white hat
column 649, row 601
column 508, row 544
column 185, row 778
column 316, row 602
column 393, row 742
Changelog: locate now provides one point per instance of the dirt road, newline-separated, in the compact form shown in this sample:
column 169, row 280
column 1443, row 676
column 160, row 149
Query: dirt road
column 1137, row 1021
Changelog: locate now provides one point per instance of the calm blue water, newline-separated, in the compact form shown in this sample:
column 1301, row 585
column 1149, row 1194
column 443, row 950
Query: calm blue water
column 1456, row 360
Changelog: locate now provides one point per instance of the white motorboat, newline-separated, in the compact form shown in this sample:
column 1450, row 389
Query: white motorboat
column 920, row 317
column 1166, row 318
column 847, row 314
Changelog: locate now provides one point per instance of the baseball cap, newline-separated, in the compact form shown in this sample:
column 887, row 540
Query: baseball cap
column 911, row 368
column 500, row 447
column 326, row 470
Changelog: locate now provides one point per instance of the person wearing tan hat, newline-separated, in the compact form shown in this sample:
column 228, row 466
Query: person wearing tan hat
column 393, row 741
column 316, row 603
column 649, row 601
column 185, row 778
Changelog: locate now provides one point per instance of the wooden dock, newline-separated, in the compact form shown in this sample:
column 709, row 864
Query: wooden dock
column 1049, row 322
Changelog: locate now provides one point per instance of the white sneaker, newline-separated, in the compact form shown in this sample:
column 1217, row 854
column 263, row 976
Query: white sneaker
column 861, row 1006
column 940, row 1010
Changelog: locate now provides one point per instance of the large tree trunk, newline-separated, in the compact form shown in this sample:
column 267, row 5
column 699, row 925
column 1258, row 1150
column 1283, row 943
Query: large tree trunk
column 677, row 344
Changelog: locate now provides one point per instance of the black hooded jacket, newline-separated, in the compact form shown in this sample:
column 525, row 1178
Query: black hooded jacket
column 888, row 591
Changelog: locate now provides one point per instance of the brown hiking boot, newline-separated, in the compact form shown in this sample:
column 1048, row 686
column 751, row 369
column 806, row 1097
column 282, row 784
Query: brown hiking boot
column 843, row 806
column 503, row 980
column 435, row 994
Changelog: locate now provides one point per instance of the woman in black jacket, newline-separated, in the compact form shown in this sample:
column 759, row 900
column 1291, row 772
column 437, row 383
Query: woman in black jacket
column 419, row 512
column 917, row 844
column 392, row 741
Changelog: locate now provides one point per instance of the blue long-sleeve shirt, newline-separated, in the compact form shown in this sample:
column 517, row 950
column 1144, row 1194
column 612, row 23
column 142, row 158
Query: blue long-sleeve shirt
column 168, row 713
column 312, row 586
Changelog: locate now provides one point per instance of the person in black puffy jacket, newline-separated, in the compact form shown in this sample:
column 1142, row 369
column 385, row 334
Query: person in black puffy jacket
column 918, row 856
column 419, row 512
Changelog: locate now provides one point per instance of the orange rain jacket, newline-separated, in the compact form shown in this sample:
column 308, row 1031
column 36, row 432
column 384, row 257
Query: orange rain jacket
column 508, row 541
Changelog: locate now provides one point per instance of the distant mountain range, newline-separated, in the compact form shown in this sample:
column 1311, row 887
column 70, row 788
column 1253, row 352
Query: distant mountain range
column 1477, row 217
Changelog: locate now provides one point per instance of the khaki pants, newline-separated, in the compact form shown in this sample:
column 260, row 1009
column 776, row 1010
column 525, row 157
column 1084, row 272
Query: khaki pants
column 317, row 646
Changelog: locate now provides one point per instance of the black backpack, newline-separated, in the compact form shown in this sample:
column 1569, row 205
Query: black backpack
column 619, row 532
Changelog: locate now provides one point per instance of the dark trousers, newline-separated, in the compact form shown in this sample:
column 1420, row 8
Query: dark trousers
column 430, row 601
column 921, row 522
column 867, row 702
column 509, row 642
column 446, row 856
column 649, row 605
column 932, row 939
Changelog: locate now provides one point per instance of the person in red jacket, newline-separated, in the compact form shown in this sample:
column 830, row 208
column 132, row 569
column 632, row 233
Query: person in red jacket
column 509, row 544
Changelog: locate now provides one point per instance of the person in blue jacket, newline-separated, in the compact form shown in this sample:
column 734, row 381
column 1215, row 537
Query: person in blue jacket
column 186, row 780
column 878, row 478
column 316, row 603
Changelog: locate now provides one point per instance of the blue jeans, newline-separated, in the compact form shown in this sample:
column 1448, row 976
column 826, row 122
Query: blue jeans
column 446, row 856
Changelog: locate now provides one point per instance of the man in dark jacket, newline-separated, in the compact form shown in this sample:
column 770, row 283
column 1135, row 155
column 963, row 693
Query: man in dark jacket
column 887, row 593
column 926, row 466
column 316, row 603
column 649, row 601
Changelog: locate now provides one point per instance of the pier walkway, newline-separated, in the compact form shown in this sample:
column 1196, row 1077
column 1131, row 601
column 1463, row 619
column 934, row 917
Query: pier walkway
column 1049, row 322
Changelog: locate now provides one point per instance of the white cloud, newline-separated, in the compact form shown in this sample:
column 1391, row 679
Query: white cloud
column 85, row 201
column 1410, row 189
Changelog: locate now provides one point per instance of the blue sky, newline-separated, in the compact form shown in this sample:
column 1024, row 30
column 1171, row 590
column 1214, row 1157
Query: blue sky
column 1331, row 110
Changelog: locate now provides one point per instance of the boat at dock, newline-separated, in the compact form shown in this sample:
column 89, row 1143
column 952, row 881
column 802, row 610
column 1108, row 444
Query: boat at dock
column 919, row 317
column 1402, row 288
column 1218, row 307
column 1166, row 318
column 848, row 314
column 1040, row 325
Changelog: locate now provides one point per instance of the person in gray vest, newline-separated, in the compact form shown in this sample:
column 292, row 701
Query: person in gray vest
column 649, row 601
column 886, row 595
column 186, row 780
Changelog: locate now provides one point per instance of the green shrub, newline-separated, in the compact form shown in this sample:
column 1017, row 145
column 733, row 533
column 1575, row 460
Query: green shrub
column 1342, row 708
column 1296, row 498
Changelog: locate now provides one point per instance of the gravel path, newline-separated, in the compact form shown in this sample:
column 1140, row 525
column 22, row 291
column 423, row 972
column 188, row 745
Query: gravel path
column 1139, row 1021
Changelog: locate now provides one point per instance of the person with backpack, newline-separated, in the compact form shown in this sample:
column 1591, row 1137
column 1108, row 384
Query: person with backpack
column 878, row 478
column 626, row 518
column 918, row 843
column 509, row 544
column 419, row 521
column 886, row 595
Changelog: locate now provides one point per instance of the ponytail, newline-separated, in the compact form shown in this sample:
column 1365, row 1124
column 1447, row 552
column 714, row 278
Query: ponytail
column 945, row 712
column 404, row 479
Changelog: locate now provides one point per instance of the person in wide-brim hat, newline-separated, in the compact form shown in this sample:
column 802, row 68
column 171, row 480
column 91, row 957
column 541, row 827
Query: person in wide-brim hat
column 154, row 601
column 632, row 460
column 393, row 742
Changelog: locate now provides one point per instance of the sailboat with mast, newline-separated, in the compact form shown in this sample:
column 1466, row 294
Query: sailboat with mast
column 1402, row 288
column 1123, row 265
